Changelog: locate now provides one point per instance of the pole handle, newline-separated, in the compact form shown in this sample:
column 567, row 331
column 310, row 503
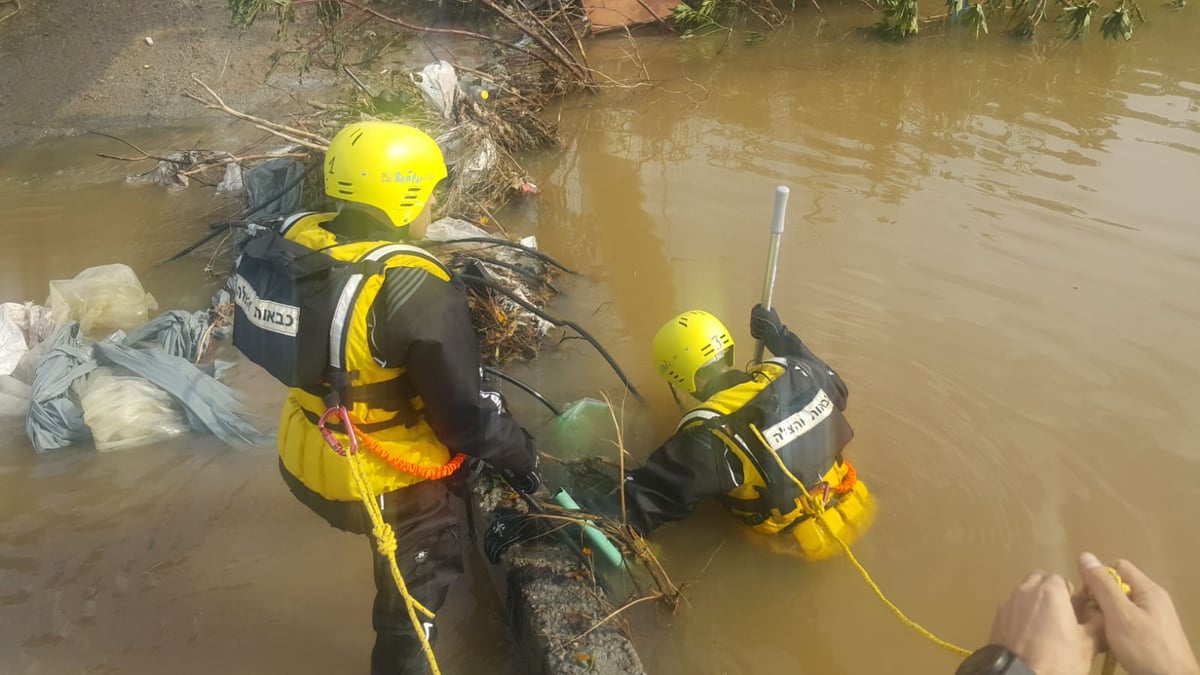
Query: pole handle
column 781, row 198
column 777, row 220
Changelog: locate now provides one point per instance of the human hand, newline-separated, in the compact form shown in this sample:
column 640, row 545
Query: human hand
column 527, row 483
column 508, row 527
column 765, row 325
column 1142, row 629
column 1038, row 623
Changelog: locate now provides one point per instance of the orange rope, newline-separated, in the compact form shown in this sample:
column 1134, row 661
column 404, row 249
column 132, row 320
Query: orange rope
column 418, row 470
column 848, row 482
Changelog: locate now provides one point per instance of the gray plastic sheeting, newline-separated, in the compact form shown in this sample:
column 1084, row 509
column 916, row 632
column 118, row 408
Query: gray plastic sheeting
column 176, row 331
column 266, row 180
column 210, row 405
column 55, row 420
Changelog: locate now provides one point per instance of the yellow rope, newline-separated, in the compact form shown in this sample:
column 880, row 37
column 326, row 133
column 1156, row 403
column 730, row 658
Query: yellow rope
column 385, row 539
column 1110, row 662
column 817, row 508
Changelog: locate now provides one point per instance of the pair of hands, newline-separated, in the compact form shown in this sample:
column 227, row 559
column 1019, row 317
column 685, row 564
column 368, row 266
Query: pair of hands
column 1057, row 630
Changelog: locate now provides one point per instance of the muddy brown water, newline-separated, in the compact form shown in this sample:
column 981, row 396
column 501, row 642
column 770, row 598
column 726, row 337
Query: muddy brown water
column 994, row 245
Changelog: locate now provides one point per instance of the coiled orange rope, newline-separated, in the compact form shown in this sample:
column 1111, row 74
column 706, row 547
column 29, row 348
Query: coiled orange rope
column 418, row 470
column 848, row 482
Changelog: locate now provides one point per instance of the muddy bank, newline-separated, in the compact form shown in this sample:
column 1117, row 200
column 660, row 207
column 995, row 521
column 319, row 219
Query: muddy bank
column 69, row 66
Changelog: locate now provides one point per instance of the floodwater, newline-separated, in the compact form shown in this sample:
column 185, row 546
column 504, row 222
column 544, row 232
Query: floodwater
column 994, row 243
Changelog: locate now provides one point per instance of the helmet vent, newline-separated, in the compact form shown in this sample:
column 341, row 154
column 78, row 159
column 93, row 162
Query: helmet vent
column 345, row 183
column 410, row 199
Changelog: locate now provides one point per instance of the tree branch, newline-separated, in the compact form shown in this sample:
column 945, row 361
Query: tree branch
column 292, row 134
column 13, row 13
column 446, row 31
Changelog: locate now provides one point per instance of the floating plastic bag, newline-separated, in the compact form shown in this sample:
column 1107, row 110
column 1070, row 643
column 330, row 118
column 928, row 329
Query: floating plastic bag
column 12, row 345
column 125, row 412
column 584, row 429
column 446, row 229
column 35, row 321
column 102, row 299
column 14, row 397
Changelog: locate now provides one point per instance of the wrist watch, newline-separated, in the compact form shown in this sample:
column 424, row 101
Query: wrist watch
column 994, row 660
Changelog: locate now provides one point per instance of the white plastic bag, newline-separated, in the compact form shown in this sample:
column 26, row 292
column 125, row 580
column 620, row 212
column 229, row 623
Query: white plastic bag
column 439, row 83
column 445, row 229
column 125, row 412
column 14, row 397
column 102, row 299
column 35, row 321
column 12, row 345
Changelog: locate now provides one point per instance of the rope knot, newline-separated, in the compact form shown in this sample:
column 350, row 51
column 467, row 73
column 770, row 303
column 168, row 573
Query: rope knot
column 385, row 539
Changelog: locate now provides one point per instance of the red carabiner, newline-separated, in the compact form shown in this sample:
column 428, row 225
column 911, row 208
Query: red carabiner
column 823, row 485
column 340, row 412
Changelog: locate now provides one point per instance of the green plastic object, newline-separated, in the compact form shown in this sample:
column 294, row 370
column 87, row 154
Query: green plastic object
column 584, row 429
column 599, row 542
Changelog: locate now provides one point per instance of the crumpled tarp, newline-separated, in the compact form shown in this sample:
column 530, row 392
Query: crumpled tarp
column 210, row 405
column 55, row 417
column 179, row 333
column 267, row 179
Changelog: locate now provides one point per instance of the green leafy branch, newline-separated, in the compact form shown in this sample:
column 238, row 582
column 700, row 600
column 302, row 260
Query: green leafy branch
column 900, row 19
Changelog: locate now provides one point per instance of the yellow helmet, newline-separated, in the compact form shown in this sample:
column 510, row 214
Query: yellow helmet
column 389, row 166
column 686, row 344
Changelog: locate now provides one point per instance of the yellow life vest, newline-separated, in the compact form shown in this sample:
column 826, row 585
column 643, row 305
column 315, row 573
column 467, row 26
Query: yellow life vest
column 402, row 434
column 848, row 513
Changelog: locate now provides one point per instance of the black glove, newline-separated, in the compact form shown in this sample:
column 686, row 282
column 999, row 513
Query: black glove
column 599, row 505
column 526, row 483
column 766, row 326
column 509, row 527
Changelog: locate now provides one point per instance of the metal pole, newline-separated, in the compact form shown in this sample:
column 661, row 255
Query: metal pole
column 781, row 197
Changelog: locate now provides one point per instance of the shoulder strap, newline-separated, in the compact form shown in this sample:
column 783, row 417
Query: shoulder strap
column 389, row 251
column 292, row 220
column 696, row 415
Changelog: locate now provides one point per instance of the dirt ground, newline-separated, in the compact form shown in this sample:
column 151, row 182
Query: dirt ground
column 68, row 65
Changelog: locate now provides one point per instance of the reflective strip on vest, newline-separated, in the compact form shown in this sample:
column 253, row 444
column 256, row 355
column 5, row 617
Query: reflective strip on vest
column 384, row 252
column 697, row 414
column 341, row 322
column 291, row 220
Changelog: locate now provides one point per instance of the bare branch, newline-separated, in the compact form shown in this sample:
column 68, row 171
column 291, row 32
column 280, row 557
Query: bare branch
column 13, row 13
column 232, row 159
column 446, row 31
column 622, row 608
column 657, row 17
column 267, row 125
column 299, row 141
